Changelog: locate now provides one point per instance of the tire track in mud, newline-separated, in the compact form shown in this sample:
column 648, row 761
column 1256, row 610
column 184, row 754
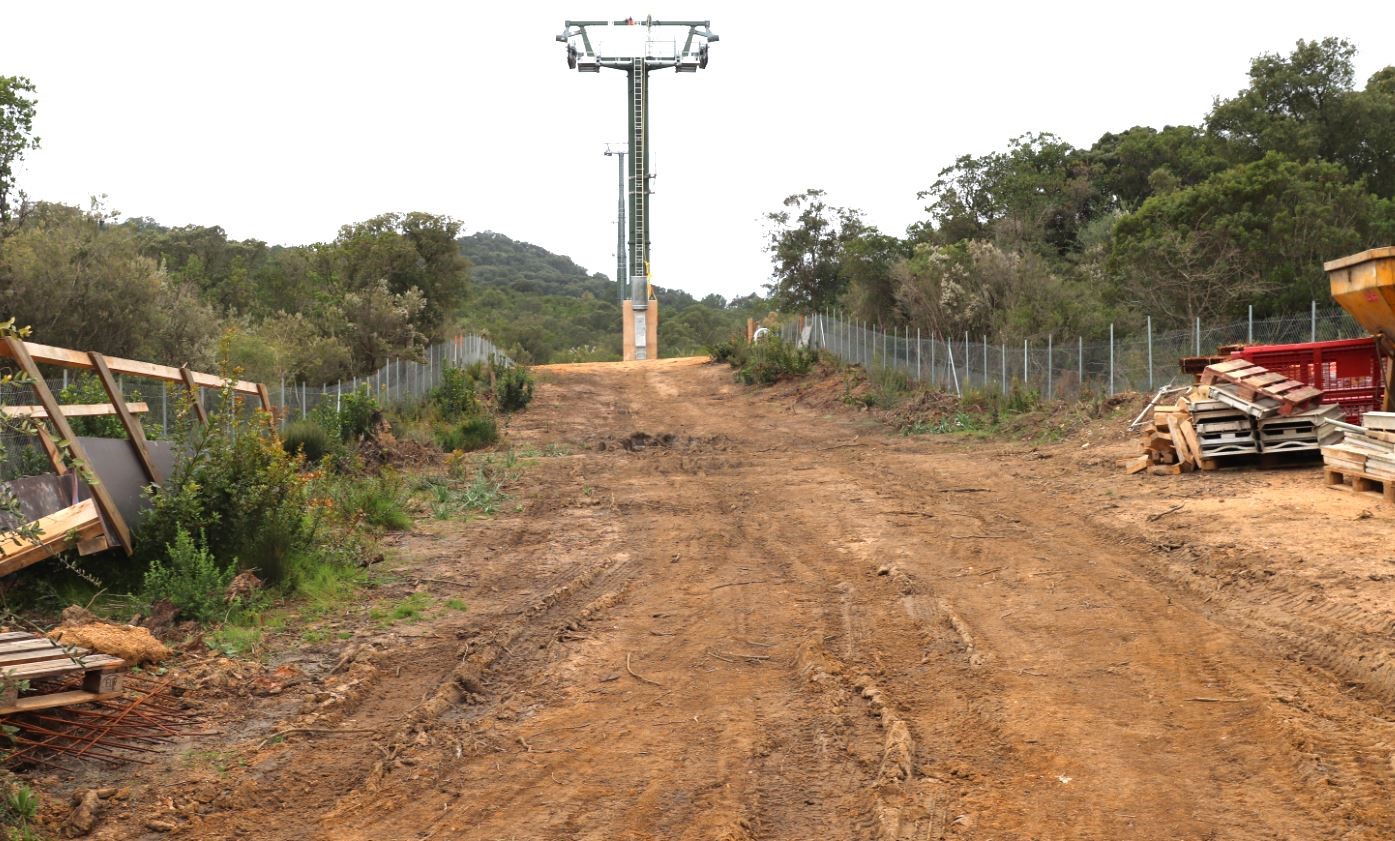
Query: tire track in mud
column 813, row 635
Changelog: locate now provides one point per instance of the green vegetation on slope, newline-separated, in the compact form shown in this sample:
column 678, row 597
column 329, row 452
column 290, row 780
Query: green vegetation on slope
column 1177, row 223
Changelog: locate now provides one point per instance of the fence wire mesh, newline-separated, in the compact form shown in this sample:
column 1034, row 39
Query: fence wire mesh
column 397, row 382
column 1055, row 366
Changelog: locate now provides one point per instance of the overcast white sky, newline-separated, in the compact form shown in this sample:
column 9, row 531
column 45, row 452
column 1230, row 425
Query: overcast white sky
column 281, row 121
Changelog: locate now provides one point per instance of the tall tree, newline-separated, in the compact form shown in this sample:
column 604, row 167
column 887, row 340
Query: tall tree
column 1298, row 105
column 16, row 136
column 806, row 246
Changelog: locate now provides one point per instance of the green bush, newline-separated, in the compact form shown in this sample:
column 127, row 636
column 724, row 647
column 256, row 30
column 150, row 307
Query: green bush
column 513, row 388
column 358, row 412
column 235, row 485
column 455, row 396
column 190, row 578
column 352, row 417
column 19, row 809
column 772, row 359
column 380, row 501
column 307, row 438
column 470, row 434
column 732, row 350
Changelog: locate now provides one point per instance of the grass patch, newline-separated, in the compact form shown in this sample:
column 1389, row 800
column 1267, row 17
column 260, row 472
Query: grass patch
column 409, row 609
column 235, row 640
column 455, row 604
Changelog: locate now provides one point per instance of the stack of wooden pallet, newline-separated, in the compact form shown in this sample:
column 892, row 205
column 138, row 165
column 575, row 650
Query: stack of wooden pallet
column 1364, row 454
column 1170, row 441
column 1251, row 385
column 1238, row 409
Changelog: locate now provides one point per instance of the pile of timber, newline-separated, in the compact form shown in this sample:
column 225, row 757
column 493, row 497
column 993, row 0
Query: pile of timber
column 1237, row 409
column 1364, row 454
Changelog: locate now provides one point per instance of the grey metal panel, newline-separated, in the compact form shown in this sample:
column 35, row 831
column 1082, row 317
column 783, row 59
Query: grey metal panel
column 42, row 495
column 115, row 462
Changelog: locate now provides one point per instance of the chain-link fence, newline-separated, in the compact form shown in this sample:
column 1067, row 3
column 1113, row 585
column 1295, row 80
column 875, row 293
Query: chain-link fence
column 1055, row 366
column 397, row 382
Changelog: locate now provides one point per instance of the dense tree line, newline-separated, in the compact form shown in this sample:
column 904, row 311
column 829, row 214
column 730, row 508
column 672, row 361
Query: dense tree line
column 1176, row 223
column 383, row 288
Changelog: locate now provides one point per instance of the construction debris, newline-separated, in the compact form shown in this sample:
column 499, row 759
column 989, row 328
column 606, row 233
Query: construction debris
column 1363, row 454
column 1238, row 409
column 132, row 644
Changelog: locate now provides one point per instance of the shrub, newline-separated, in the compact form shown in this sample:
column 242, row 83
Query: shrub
column 732, row 350
column 189, row 577
column 772, row 359
column 471, row 434
column 307, row 438
column 358, row 411
column 380, row 501
column 455, row 396
column 351, row 419
column 513, row 388
column 234, row 485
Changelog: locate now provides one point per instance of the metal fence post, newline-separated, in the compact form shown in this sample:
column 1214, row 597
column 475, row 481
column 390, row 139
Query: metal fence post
column 1111, row 359
column 1150, row 353
column 1003, row 353
column 1024, row 364
column 1250, row 326
column 1313, row 310
column 1048, row 366
column 1080, row 362
column 917, row 354
column 1198, row 335
column 985, row 363
column 164, row 407
column 968, row 368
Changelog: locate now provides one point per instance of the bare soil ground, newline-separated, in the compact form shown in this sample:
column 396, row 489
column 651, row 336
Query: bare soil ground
column 783, row 622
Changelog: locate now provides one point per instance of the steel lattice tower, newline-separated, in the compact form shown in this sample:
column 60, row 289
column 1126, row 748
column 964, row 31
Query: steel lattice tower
column 691, row 58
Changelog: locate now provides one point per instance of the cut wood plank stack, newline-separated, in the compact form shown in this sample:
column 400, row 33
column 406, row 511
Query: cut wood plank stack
column 1239, row 409
column 1364, row 454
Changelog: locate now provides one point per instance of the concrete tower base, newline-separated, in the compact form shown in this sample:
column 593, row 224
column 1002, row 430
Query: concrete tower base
column 648, row 345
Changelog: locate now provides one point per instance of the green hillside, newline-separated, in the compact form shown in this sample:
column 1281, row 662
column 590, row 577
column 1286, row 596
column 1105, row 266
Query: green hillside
column 542, row 307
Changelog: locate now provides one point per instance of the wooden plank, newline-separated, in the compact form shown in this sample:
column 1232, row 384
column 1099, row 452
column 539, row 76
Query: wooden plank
column 80, row 521
column 31, row 644
column 34, row 703
column 64, row 358
column 1194, row 444
column 1185, row 454
column 74, row 410
column 134, row 432
column 18, row 635
column 267, row 407
column 1266, row 379
column 57, row 666
column 1137, row 465
column 51, row 448
column 193, row 386
column 19, row 658
column 19, row 352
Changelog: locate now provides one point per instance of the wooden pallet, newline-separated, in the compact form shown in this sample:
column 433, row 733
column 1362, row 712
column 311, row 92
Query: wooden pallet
column 1360, row 481
column 1253, row 383
column 26, row 658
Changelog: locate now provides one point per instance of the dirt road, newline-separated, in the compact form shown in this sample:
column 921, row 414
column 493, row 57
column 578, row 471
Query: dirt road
column 784, row 623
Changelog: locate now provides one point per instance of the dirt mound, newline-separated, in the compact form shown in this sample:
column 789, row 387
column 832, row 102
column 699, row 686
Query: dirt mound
column 133, row 644
column 381, row 448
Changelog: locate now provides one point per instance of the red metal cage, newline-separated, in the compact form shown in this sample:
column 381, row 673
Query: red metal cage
column 1347, row 370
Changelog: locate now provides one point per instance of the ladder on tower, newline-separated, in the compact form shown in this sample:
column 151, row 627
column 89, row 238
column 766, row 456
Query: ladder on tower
column 639, row 168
